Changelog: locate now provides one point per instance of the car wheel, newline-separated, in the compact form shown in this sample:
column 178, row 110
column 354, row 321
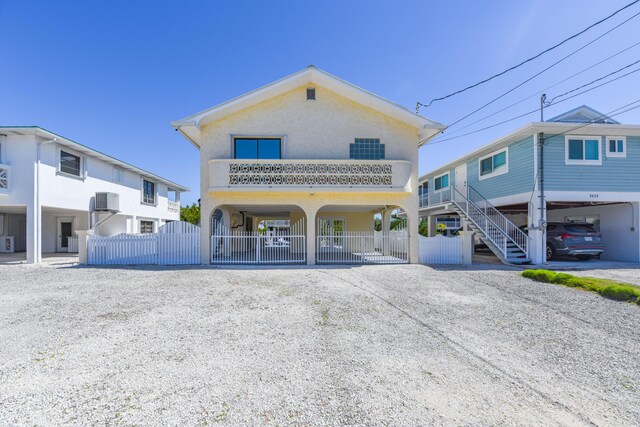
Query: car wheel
column 551, row 253
column 584, row 257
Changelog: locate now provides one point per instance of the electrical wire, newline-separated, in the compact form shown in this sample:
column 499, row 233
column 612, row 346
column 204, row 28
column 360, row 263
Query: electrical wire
column 531, row 58
column 537, row 93
column 437, row 141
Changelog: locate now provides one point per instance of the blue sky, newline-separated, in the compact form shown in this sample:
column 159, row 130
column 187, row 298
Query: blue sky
column 113, row 75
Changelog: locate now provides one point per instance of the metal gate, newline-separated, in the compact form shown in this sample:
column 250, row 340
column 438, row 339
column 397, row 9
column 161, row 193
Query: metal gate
column 335, row 245
column 281, row 246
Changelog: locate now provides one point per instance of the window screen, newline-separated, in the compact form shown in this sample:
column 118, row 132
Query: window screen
column 69, row 163
column 257, row 148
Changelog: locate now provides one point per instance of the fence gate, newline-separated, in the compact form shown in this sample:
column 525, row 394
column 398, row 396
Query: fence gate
column 335, row 245
column 176, row 243
column 280, row 246
column 440, row 250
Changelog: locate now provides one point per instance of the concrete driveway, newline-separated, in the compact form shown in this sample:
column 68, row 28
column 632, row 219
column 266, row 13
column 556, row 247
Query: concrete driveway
column 380, row 345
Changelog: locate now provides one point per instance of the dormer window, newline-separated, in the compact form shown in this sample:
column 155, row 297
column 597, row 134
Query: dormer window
column 311, row 94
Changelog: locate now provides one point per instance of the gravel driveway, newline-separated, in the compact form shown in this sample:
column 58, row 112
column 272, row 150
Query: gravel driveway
column 379, row 345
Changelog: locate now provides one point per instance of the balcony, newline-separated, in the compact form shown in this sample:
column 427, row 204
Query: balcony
column 322, row 175
column 435, row 198
column 5, row 172
column 173, row 207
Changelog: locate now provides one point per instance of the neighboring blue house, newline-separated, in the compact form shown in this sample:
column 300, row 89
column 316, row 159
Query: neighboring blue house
column 588, row 169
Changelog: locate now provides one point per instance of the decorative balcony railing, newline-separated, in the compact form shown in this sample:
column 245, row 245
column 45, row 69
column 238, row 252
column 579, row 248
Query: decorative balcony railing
column 231, row 174
column 5, row 172
column 173, row 207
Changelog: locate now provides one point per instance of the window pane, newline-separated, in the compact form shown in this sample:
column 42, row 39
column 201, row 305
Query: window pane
column 445, row 181
column 438, row 183
column 148, row 192
column 575, row 149
column 612, row 145
column 499, row 160
column 246, row 148
column 269, row 149
column 591, row 149
column 69, row 163
column 620, row 146
column 486, row 166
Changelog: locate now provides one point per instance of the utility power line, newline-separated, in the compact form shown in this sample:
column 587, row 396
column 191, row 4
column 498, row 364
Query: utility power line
column 537, row 93
column 529, row 59
column 437, row 141
column 542, row 71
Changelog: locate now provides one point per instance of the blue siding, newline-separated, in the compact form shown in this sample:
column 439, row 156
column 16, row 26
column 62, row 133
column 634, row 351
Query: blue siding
column 452, row 181
column 518, row 180
column 615, row 173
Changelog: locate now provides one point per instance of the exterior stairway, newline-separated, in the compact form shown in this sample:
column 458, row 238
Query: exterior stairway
column 503, row 237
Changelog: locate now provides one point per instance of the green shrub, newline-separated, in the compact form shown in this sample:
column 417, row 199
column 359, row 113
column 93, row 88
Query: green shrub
column 607, row 288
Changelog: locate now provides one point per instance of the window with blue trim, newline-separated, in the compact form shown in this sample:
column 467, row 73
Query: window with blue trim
column 366, row 149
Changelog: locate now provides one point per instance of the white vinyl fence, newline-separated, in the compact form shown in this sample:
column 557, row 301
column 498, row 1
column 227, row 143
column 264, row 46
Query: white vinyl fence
column 440, row 250
column 275, row 246
column 176, row 243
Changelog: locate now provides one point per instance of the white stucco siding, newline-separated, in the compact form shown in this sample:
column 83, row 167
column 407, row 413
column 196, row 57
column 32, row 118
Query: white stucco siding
column 19, row 153
column 320, row 129
column 67, row 192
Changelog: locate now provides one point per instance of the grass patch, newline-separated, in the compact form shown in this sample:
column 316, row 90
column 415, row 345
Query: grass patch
column 607, row 288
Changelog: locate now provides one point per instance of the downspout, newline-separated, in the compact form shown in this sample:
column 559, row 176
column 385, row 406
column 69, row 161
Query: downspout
column 38, row 208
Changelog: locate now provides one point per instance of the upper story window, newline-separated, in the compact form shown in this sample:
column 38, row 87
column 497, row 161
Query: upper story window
column 494, row 164
column 366, row 149
column 257, row 148
column 148, row 192
column 118, row 176
column 441, row 182
column 582, row 150
column 70, row 163
column 616, row 146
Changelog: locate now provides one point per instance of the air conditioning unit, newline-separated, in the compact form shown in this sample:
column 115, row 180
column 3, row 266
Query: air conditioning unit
column 107, row 202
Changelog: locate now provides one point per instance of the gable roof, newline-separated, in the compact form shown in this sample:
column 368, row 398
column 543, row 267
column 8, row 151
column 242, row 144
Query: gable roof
column 190, row 126
column 44, row 133
column 583, row 114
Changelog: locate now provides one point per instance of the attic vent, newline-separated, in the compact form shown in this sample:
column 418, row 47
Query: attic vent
column 311, row 93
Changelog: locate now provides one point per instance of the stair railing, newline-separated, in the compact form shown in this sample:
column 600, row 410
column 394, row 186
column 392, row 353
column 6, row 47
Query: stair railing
column 491, row 214
column 476, row 215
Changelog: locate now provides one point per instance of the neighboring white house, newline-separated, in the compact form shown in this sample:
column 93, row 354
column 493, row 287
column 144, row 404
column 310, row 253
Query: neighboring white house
column 48, row 187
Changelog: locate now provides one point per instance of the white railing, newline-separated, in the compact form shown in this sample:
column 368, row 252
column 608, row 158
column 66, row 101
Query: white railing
column 363, row 247
column 495, row 226
column 423, row 200
column 440, row 197
column 440, row 250
column 234, row 174
column 176, row 243
column 173, row 207
column 5, row 176
column 282, row 246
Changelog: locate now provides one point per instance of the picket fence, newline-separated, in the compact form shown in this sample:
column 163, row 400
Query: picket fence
column 175, row 243
column 440, row 250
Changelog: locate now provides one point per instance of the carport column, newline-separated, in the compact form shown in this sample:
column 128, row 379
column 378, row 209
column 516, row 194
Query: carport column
column 386, row 228
column 34, row 251
column 83, row 245
column 413, row 223
column 537, row 240
column 467, row 246
column 431, row 222
column 310, row 212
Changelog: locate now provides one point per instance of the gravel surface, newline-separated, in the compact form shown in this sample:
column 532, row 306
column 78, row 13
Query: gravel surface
column 379, row 345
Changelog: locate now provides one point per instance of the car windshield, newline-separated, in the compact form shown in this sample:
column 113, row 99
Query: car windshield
column 580, row 228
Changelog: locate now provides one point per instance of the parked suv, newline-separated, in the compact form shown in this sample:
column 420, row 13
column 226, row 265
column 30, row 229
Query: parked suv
column 579, row 239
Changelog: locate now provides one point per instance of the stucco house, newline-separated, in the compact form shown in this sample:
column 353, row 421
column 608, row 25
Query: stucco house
column 581, row 166
column 296, row 171
column 48, row 190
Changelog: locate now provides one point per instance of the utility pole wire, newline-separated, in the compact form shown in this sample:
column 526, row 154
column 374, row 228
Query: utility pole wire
column 419, row 104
